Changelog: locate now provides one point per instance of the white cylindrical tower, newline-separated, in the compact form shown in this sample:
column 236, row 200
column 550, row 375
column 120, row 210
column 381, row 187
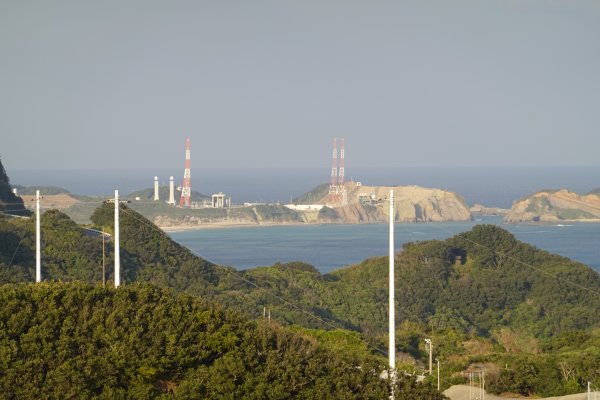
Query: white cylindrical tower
column 171, row 191
column 117, row 247
column 38, row 241
column 156, row 188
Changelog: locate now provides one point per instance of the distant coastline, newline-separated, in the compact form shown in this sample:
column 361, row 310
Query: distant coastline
column 492, row 186
column 366, row 204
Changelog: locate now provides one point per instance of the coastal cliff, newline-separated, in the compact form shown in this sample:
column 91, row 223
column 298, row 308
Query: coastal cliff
column 554, row 206
column 412, row 204
column 364, row 204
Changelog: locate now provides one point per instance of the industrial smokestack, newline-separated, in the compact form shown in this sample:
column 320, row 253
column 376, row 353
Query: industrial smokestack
column 156, row 188
column 171, row 192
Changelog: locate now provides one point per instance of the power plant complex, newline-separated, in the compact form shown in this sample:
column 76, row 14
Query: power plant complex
column 219, row 200
column 337, row 191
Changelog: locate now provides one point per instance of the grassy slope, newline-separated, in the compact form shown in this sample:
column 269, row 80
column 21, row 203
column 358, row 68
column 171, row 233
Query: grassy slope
column 313, row 195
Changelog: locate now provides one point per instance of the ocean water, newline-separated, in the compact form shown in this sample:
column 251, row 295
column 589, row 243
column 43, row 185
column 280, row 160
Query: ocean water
column 329, row 247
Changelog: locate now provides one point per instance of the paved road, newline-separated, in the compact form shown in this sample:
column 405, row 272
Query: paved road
column 461, row 392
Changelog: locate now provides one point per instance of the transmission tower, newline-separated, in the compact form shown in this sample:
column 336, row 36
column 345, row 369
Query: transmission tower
column 333, row 186
column 186, row 188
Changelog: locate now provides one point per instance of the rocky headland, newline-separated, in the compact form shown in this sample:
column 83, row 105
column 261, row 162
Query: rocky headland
column 555, row 206
column 360, row 204
column 412, row 204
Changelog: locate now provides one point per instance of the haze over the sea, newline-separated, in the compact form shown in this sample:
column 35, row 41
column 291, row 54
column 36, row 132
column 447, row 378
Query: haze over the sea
column 497, row 187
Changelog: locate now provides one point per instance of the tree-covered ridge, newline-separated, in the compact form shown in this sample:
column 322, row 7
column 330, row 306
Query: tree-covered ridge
column 44, row 190
column 62, row 340
column 313, row 195
column 149, row 255
column 481, row 280
column 481, row 295
column 9, row 203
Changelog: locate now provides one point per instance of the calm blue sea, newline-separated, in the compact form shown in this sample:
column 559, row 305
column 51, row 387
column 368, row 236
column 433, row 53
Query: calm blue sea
column 329, row 247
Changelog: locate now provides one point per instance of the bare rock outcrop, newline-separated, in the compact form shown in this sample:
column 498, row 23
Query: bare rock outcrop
column 479, row 209
column 412, row 204
column 554, row 206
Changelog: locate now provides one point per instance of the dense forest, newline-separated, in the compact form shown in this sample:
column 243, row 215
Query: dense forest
column 77, row 341
column 486, row 299
column 9, row 203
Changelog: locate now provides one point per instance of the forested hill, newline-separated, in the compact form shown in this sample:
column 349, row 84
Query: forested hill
column 313, row 195
column 71, row 253
column 9, row 203
column 480, row 280
column 149, row 255
column 72, row 340
column 481, row 295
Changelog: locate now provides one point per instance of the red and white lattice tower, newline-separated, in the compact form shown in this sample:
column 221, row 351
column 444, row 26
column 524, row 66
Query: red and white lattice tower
column 341, row 174
column 186, row 188
column 341, row 188
column 333, row 186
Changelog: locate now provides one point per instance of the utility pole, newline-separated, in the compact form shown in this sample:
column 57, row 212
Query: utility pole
column 482, row 384
column 117, row 248
column 391, row 305
column 429, row 347
column 38, row 241
column 470, row 386
column 438, row 373
column 103, row 259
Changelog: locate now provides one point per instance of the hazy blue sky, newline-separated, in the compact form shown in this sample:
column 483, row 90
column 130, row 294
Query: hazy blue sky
column 86, row 84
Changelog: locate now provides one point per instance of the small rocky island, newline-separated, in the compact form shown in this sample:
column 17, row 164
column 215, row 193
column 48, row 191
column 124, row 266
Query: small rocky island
column 555, row 206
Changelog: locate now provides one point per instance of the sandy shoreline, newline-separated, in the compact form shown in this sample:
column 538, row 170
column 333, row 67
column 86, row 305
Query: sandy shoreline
column 225, row 225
